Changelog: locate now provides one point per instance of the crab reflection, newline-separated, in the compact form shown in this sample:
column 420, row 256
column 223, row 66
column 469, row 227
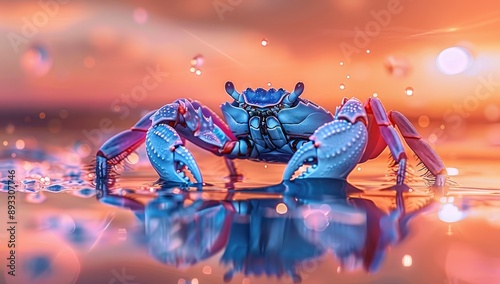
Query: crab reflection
column 273, row 230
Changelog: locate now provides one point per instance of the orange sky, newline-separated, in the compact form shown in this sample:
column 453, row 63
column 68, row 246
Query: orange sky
column 97, row 54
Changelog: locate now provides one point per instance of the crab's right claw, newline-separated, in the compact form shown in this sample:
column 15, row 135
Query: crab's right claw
column 332, row 152
column 168, row 155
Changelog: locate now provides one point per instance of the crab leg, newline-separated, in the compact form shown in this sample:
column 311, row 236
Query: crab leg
column 389, row 135
column 423, row 151
column 120, row 146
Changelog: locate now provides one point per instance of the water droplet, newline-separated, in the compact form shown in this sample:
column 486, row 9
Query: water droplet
column 36, row 60
column 264, row 42
column 341, row 63
column 198, row 72
column 409, row 91
column 281, row 208
column 348, row 76
column 197, row 61
column 140, row 15
column 342, row 86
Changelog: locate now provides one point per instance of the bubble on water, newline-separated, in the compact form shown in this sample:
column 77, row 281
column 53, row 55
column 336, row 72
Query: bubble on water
column 342, row 86
column 409, row 91
column 55, row 188
column 85, row 192
column 197, row 61
column 397, row 66
column 264, row 42
column 140, row 15
column 36, row 60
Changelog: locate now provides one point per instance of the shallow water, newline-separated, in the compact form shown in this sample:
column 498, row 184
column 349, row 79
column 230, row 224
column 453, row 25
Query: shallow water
column 257, row 230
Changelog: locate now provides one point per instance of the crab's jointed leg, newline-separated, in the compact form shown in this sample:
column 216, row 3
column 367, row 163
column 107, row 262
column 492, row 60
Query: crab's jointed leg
column 120, row 146
column 389, row 135
column 424, row 152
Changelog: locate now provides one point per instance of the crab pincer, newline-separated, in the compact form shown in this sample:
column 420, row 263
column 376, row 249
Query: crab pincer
column 168, row 156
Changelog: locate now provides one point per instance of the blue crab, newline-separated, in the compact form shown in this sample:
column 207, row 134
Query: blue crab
column 271, row 125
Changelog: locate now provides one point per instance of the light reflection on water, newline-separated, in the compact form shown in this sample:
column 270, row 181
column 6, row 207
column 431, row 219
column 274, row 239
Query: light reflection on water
column 248, row 231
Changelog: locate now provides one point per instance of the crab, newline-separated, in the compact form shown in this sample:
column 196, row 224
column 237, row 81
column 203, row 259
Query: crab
column 271, row 125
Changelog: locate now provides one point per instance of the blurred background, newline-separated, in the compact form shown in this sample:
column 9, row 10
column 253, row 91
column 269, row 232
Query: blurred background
column 94, row 68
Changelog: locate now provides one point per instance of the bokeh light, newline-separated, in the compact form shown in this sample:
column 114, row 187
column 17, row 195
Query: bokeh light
column 36, row 60
column 281, row 208
column 454, row 60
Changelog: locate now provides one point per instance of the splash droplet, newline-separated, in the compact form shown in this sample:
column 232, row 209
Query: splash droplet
column 264, row 42
column 409, row 91
column 342, row 86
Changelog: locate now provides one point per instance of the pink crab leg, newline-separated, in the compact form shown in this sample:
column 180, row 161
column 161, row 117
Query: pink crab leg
column 389, row 135
column 423, row 151
column 120, row 146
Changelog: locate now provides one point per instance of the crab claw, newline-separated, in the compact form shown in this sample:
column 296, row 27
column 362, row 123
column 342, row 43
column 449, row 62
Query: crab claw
column 332, row 152
column 168, row 155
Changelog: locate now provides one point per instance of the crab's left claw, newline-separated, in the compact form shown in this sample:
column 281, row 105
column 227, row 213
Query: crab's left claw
column 168, row 155
column 333, row 150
